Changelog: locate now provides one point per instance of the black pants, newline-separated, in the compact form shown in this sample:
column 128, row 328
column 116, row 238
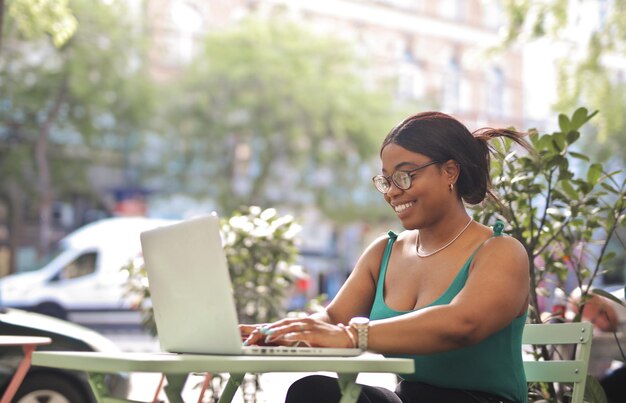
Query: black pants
column 323, row 389
column 614, row 385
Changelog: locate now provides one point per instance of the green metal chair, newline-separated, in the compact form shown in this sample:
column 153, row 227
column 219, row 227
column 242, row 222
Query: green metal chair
column 564, row 370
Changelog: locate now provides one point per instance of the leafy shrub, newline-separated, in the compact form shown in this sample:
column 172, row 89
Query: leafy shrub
column 261, row 249
column 563, row 208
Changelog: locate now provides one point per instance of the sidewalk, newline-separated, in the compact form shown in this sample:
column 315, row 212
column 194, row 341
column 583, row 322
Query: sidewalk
column 273, row 386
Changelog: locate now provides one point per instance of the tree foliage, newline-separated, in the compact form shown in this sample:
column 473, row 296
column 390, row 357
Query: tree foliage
column 261, row 250
column 562, row 207
column 59, row 105
column 269, row 114
column 36, row 18
column 587, row 73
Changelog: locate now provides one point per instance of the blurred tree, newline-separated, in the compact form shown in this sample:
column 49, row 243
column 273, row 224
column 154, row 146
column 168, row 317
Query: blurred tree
column 36, row 18
column 270, row 114
column 59, row 105
column 586, row 75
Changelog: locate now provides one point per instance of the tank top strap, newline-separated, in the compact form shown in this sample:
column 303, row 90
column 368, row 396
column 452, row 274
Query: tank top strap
column 392, row 238
column 497, row 231
column 383, row 264
column 498, row 227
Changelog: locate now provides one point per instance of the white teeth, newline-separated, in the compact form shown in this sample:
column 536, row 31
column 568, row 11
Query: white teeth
column 402, row 207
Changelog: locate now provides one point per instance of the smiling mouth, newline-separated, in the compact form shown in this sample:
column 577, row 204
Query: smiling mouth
column 400, row 208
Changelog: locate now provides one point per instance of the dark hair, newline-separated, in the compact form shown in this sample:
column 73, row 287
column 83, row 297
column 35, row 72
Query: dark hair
column 443, row 138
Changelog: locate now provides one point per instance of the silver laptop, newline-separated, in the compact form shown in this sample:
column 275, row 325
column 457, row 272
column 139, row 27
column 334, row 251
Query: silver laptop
column 192, row 295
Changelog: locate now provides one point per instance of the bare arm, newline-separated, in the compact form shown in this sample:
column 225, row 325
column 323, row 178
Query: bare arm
column 356, row 296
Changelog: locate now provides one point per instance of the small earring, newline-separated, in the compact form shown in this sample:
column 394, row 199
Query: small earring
column 451, row 186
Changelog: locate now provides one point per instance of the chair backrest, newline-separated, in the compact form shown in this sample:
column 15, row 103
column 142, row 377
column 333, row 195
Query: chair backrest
column 562, row 370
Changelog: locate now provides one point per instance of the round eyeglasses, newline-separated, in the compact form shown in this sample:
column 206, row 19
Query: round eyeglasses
column 402, row 179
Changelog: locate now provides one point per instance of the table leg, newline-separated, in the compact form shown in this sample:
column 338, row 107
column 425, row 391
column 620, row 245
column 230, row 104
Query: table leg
column 350, row 390
column 98, row 386
column 174, row 387
column 19, row 375
column 232, row 385
column 101, row 391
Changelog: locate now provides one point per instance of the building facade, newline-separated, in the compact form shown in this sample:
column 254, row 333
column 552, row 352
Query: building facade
column 439, row 54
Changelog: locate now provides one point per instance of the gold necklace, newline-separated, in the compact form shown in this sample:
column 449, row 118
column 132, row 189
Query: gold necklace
column 421, row 254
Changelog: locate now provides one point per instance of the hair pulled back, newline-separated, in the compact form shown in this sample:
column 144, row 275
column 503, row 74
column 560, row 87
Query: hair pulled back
column 442, row 138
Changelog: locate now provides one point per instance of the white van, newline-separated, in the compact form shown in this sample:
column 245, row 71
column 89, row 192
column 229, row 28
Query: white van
column 84, row 281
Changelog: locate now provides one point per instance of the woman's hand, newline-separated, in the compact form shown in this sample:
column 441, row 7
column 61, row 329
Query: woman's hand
column 247, row 330
column 296, row 331
column 251, row 335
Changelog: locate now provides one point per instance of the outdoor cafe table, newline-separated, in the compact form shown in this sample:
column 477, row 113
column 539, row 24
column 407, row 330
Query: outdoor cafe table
column 28, row 345
column 176, row 367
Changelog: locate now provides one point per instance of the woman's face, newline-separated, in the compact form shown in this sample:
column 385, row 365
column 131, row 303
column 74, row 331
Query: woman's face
column 425, row 200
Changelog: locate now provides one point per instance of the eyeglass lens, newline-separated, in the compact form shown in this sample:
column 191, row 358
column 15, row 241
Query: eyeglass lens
column 401, row 179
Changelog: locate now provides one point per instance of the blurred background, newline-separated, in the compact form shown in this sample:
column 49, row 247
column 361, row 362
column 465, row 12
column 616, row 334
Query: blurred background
column 150, row 111
column 170, row 108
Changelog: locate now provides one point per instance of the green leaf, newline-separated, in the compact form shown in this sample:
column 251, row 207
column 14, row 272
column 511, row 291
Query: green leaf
column 545, row 143
column 569, row 189
column 593, row 174
column 594, row 393
column 608, row 295
column 559, row 141
column 521, row 177
column 578, row 317
column 579, row 118
column 579, row 156
column 585, row 187
column 564, row 123
column 572, row 136
column 608, row 256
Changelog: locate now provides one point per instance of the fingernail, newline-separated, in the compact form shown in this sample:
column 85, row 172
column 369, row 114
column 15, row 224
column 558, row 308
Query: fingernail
column 245, row 343
column 264, row 330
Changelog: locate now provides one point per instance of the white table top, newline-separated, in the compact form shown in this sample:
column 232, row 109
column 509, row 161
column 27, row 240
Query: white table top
column 23, row 340
column 186, row 363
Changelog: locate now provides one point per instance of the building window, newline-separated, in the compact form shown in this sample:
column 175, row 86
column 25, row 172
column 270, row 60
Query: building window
column 410, row 81
column 493, row 14
column 187, row 21
column 451, row 9
column 495, row 92
column 604, row 7
column 452, row 85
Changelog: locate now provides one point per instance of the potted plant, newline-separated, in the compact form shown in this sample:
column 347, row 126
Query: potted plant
column 261, row 249
column 564, row 209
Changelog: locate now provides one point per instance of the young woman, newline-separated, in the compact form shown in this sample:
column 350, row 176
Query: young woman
column 448, row 292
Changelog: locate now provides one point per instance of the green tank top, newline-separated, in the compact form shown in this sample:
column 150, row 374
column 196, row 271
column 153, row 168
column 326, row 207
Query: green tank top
column 494, row 365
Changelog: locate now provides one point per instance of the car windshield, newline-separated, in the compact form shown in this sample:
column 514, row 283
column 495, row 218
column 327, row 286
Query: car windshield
column 56, row 251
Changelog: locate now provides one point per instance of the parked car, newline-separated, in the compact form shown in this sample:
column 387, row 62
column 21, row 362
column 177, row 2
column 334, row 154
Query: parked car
column 48, row 384
column 84, row 282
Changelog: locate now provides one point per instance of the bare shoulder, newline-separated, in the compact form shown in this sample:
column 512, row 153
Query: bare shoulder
column 374, row 251
column 372, row 255
column 505, row 241
column 502, row 249
column 402, row 239
column 377, row 246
